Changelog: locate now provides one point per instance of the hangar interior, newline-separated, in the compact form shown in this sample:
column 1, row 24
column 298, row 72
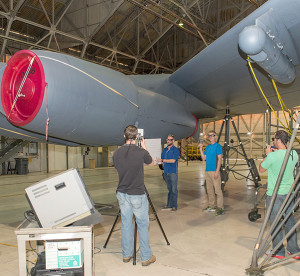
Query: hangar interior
column 137, row 37
column 252, row 130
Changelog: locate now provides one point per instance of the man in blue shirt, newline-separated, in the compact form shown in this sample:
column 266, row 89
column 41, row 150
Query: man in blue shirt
column 213, row 157
column 169, row 157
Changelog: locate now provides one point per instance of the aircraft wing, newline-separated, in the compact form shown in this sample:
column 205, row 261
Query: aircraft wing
column 219, row 75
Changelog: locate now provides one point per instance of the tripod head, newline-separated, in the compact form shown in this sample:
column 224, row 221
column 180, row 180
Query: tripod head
column 227, row 110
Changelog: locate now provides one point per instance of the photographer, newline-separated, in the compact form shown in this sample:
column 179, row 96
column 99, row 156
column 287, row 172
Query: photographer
column 129, row 161
column 273, row 163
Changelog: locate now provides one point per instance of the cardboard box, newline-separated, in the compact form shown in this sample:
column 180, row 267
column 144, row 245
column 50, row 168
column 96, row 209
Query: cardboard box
column 92, row 164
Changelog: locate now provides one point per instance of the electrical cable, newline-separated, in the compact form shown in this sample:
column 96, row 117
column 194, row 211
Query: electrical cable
column 237, row 154
column 281, row 104
column 262, row 92
column 33, row 250
column 18, row 95
column 259, row 86
column 8, row 130
column 280, row 99
column 30, row 216
column 99, row 250
column 283, row 111
column 238, row 178
column 47, row 112
column 92, row 77
column 6, row 244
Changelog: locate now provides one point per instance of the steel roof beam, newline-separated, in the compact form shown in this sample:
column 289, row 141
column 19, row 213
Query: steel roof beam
column 11, row 15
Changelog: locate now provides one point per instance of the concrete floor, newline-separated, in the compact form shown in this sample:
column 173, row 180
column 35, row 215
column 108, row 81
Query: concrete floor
column 200, row 243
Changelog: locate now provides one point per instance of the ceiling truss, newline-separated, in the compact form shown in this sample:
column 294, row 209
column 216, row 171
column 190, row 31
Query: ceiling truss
column 131, row 36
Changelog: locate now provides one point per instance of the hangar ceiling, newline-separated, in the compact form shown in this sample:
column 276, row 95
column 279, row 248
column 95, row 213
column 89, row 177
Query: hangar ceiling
column 131, row 36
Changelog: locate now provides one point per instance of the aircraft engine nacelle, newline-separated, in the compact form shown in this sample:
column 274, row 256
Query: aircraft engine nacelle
column 83, row 102
column 159, row 116
column 254, row 42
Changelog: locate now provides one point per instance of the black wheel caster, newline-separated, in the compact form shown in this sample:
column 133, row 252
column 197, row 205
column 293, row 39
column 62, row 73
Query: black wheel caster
column 253, row 216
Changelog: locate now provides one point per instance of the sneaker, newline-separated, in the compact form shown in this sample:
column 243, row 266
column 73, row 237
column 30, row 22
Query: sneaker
column 275, row 255
column 209, row 209
column 150, row 261
column 166, row 208
column 174, row 209
column 127, row 260
column 219, row 212
column 296, row 257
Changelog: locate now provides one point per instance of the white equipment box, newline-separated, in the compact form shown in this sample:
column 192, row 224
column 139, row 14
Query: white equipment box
column 30, row 232
column 60, row 200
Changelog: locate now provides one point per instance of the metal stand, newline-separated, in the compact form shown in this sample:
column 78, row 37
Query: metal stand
column 226, row 148
column 102, row 206
column 135, row 227
column 263, row 241
column 253, row 214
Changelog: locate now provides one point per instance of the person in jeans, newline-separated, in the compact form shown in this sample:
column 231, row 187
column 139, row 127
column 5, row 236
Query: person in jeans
column 129, row 161
column 273, row 162
column 213, row 157
column 169, row 158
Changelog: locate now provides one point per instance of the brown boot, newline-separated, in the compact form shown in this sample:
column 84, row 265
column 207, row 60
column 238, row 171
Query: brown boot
column 127, row 260
column 150, row 261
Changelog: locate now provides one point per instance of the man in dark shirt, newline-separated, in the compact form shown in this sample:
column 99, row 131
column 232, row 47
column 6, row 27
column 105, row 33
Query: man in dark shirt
column 129, row 161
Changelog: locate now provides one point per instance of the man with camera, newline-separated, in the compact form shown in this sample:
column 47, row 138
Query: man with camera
column 129, row 161
column 273, row 162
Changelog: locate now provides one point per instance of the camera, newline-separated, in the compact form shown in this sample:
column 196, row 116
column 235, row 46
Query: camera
column 140, row 133
column 140, row 136
column 201, row 138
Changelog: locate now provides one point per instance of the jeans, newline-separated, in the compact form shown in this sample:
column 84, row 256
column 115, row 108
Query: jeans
column 171, row 180
column 292, row 244
column 139, row 206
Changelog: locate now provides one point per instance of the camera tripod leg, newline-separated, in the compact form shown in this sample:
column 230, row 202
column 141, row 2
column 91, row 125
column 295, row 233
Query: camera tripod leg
column 135, row 228
column 112, row 229
column 134, row 248
column 135, row 235
column 156, row 216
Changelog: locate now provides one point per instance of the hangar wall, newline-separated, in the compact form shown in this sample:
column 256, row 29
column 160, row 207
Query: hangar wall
column 252, row 130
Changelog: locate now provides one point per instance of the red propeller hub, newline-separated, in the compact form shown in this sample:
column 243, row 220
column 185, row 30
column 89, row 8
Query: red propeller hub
column 22, row 87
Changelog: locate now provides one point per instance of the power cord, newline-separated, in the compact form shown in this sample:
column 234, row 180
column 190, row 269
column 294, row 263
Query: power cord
column 30, row 216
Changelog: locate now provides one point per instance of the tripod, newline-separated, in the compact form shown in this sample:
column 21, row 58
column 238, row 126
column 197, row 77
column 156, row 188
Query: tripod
column 135, row 226
column 225, row 166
